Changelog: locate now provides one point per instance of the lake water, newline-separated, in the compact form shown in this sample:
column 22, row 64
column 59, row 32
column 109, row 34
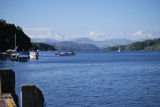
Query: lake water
column 93, row 79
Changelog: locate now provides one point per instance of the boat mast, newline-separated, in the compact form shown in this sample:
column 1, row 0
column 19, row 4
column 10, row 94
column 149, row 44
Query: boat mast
column 119, row 49
column 59, row 47
column 69, row 44
column 15, row 42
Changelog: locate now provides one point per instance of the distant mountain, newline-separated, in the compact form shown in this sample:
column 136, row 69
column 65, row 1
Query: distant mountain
column 149, row 45
column 106, row 43
column 83, row 40
column 67, row 45
column 43, row 40
column 113, row 42
column 87, row 43
column 100, row 44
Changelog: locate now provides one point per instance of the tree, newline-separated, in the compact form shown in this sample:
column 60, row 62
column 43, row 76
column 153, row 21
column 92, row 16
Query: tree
column 7, row 37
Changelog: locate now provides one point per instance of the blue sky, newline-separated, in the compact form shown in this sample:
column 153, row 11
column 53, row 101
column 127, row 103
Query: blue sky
column 96, row 19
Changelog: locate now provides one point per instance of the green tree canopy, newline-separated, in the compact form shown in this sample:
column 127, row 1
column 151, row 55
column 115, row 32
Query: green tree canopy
column 7, row 37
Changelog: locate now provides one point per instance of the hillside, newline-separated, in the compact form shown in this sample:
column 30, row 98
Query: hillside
column 105, row 43
column 112, row 42
column 42, row 46
column 66, row 45
column 7, row 37
column 148, row 45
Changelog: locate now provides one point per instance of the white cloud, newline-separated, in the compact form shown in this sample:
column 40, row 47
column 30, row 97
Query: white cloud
column 39, row 32
column 91, row 33
column 138, row 33
column 150, row 35
column 47, row 33
column 96, row 35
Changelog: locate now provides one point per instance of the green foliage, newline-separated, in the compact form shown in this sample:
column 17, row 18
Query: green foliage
column 7, row 37
column 42, row 46
column 149, row 45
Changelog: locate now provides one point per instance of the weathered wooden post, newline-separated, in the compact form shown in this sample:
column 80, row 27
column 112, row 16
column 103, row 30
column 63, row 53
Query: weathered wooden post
column 7, row 81
column 31, row 96
column 7, row 85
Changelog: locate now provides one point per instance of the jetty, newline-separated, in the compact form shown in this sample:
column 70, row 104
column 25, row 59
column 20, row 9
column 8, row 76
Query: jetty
column 31, row 96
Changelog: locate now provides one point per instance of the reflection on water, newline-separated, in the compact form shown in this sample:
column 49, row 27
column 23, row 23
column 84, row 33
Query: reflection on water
column 93, row 78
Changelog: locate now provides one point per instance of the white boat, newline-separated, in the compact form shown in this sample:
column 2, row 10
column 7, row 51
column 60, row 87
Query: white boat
column 64, row 53
column 14, row 56
column 70, row 53
column 11, row 51
column 70, row 50
column 119, row 49
column 33, row 55
column 59, row 52
column 23, row 57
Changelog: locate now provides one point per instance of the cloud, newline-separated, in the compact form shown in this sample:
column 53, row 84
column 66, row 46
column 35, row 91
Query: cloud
column 45, row 33
column 39, row 32
column 96, row 35
column 138, row 33
column 92, row 33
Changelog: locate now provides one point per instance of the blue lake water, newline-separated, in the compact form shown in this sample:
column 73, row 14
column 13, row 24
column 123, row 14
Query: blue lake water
column 93, row 79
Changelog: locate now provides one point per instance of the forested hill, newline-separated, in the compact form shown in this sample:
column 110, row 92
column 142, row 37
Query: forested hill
column 42, row 46
column 7, row 37
column 148, row 45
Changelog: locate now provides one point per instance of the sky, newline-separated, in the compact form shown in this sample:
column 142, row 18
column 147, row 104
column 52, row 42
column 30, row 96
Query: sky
column 95, row 19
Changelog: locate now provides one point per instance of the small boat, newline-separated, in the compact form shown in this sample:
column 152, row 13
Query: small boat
column 23, row 57
column 19, row 57
column 10, row 51
column 70, row 53
column 33, row 55
column 14, row 56
column 119, row 49
column 61, row 53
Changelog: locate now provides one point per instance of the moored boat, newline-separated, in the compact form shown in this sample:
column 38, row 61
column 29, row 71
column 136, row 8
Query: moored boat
column 33, row 55
column 23, row 57
column 61, row 53
column 70, row 53
column 14, row 56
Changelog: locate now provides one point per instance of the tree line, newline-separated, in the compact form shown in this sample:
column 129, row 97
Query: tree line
column 43, row 46
column 148, row 45
column 7, row 37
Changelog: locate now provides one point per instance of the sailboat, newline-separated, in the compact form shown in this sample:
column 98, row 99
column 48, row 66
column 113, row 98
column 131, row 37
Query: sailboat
column 119, row 49
column 14, row 54
column 59, row 52
column 70, row 52
column 21, row 56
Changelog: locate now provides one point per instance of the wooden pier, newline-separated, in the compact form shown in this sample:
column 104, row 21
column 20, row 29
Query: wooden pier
column 31, row 96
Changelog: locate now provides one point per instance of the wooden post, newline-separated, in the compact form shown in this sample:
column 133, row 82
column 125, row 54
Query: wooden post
column 31, row 96
column 7, row 81
column 7, row 85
